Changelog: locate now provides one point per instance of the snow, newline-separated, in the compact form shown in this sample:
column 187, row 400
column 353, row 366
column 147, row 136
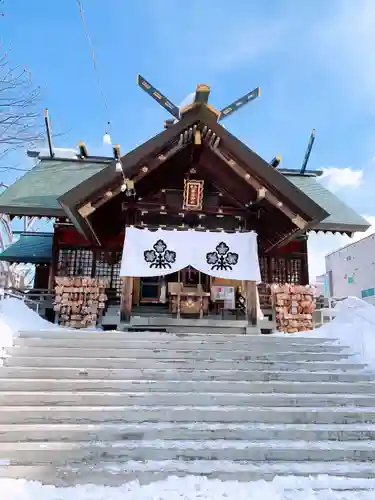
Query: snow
column 353, row 326
column 194, row 488
column 15, row 315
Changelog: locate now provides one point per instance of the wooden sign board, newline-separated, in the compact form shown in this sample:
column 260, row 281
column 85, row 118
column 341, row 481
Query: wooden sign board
column 193, row 195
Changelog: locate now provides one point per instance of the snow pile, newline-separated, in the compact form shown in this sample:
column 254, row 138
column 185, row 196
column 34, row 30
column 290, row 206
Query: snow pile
column 192, row 488
column 354, row 326
column 15, row 315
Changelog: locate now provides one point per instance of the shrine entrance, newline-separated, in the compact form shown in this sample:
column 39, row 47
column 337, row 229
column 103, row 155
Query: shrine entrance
column 220, row 262
column 149, row 290
column 156, row 289
column 190, row 277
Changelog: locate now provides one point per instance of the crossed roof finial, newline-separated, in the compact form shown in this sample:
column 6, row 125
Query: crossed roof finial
column 202, row 94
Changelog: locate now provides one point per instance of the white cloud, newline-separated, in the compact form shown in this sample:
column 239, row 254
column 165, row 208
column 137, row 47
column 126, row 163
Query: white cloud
column 338, row 178
column 319, row 245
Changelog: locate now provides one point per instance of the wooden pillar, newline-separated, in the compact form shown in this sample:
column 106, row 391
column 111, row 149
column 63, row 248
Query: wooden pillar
column 251, row 302
column 304, row 263
column 54, row 263
column 126, row 298
column 51, row 277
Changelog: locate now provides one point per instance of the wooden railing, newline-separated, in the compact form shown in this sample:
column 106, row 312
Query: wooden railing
column 33, row 304
column 38, row 299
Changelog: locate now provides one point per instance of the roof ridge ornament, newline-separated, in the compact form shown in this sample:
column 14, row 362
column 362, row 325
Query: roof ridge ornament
column 201, row 96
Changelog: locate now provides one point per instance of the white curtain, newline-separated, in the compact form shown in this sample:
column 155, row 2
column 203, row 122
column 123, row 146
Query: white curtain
column 153, row 253
column 224, row 255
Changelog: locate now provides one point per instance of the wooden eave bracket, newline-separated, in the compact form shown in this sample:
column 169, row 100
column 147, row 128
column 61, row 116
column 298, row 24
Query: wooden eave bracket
column 262, row 190
column 86, row 210
column 145, row 168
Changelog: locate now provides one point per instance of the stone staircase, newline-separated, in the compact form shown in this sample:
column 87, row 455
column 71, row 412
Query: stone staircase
column 105, row 408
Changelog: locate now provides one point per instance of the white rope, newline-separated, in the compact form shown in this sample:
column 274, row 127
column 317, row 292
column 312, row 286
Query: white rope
column 95, row 66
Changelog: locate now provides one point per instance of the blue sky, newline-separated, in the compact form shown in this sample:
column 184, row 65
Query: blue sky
column 313, row 61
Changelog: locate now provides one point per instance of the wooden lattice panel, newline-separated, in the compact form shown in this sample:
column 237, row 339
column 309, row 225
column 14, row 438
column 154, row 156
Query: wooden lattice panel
column 264, row 296
column 74, row 262
column 116, row 279
column 108, row 266
column 294, row 271
column 103, row 268
column 83, row 262
column 286, row 270
column 263, row 265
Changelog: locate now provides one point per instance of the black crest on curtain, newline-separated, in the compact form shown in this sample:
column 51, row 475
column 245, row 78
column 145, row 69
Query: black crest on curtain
column 159, row 257
column 222, row 259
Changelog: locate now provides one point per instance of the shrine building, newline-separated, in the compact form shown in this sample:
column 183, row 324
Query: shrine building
column 192, row 223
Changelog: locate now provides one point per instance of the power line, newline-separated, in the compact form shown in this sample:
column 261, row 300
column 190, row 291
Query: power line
column 82, row 14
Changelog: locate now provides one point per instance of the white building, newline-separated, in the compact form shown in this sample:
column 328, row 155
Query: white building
column 319, row 284
column 351, row 270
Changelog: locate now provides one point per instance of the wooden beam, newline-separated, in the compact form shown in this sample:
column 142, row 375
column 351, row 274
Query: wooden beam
column 177, row 209
column 210, row 222
column 202, row 93
column 251, row 302
column 86, row 210
column 154, row 163
column 169, row 175
column 225, row 181
column 282, row 240
column 295, row 218
column 144, row 170
column 197, row 138
column 126, row 299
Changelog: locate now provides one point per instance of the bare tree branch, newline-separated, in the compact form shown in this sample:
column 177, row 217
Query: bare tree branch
column 19, row 116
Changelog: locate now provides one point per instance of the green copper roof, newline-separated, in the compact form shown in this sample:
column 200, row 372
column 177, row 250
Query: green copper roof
column 30, row 248
column 342, row 218
column 36, row 193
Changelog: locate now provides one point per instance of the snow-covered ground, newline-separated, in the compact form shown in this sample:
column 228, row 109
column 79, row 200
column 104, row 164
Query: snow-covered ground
column 354, row 325
column 195, row 488
column 15, row 315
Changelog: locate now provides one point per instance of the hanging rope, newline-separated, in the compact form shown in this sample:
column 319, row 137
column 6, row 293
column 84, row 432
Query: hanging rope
column 105, row 103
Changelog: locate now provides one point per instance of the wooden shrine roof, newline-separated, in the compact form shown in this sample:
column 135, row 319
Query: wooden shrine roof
column 256, row 166
column 55, row 187
column 38, row 191
column 342, row 218
column 30, row 248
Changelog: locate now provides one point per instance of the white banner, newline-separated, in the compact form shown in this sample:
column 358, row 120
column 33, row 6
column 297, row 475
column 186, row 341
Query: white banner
column 226, row 255
column 157, row 253
column 153, row 253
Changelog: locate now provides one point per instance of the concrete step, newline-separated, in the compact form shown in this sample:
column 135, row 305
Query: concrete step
column 160, row 336
column 217, row 414
column 244, row 344
column 171, row 353
column 12, row 433
column 339, row 475
column 149, row 399
column 111, row 363
column 186, row 374
column 178, row 386
column 60, row 453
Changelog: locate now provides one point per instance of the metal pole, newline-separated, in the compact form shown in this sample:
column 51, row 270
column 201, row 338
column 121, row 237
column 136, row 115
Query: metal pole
column 48, row 130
